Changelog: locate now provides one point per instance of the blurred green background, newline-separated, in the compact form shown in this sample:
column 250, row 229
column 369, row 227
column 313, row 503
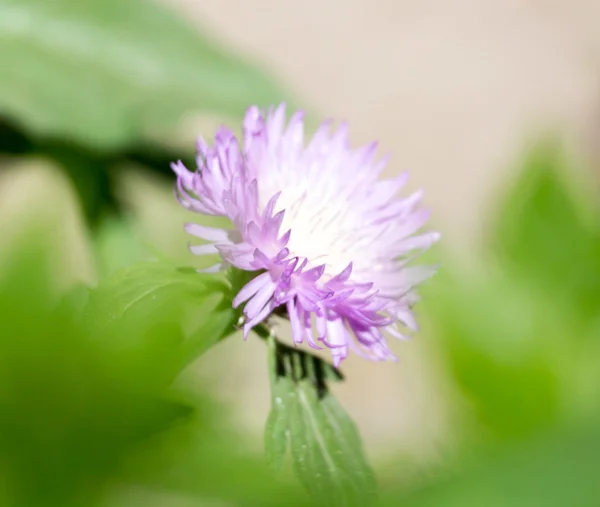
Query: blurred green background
column 495, row 402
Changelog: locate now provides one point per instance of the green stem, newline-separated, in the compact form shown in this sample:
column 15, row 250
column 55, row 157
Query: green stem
column 263, row 331
column 306, row 363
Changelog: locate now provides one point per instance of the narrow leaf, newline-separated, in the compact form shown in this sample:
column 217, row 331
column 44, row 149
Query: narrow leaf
column 326, row 450
column 276, row 429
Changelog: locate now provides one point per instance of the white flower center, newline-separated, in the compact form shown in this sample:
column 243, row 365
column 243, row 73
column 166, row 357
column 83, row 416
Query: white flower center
column 327, row 227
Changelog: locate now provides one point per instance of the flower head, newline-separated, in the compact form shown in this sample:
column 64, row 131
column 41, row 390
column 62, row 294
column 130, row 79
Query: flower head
column 329, row 243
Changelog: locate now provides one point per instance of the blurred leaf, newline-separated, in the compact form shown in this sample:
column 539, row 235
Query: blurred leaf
column 73, row 403
column 509, row 357
column 106, row 73
column 516, row 332
column 551, row 470
column 206, row 459
column 144, row 288
column 117, row 245
column 543, row 233
column 148, row 294
column 326, row 449
column 89, row 174
column 97, row 176
column 218, row 324
column 86, row 401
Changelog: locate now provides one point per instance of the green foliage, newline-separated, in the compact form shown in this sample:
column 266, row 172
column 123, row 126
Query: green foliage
column 325, row 446
column 90, row 396
column 546, row 234
column 106, row 73
column 202, row 460
column 154, row 288
column 503, row 349
column 516, row 333
column 117, row 245
column 71, row 404
column 552, row 470
column 94, row 85
column 150, row 294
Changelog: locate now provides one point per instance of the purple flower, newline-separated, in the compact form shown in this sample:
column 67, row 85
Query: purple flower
column 329, row 242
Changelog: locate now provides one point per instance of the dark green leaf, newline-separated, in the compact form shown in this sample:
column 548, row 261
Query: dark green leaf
column 326, row 450
column 107, row 73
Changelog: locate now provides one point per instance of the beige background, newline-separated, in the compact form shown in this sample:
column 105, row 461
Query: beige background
column 454, row 89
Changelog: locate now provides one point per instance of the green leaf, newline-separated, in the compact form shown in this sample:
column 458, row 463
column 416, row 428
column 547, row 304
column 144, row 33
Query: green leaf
column 150, row 294
column 105, row 74
column 326, row 450
column 208, row 458
column 218, row 324
column 87, row 407
column 116, row 245
column 505, row 352
column 145, row 287
column 551, row 470
column 548, row 231
column 74, row 401
column 518, row 332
